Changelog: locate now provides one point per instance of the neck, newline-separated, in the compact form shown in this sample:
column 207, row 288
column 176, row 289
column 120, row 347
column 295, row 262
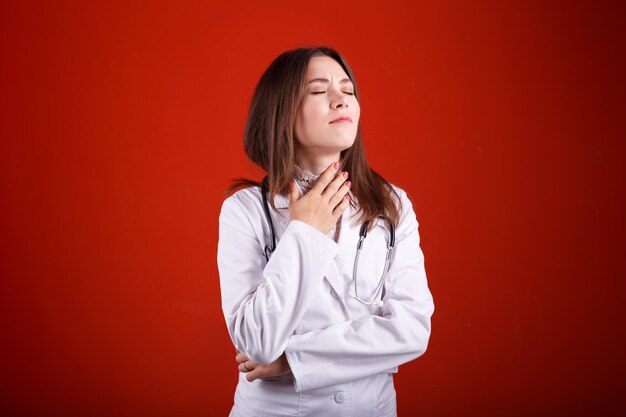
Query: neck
column 317, row 164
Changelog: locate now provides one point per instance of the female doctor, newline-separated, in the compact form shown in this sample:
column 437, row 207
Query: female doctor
column 323, row 284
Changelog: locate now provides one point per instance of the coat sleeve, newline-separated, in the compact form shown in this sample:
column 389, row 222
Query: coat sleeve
column 263, row 303
column 357, row 348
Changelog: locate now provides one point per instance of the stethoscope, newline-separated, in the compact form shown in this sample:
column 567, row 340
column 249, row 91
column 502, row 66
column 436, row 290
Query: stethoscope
column 269, row 249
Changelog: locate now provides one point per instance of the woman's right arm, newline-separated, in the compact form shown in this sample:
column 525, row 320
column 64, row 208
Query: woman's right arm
column 264, row 302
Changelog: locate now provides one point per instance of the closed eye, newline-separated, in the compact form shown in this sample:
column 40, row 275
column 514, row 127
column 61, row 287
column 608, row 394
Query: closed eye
column 322, row 92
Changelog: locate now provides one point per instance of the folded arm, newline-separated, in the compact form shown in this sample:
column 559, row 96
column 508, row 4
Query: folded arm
column 358, row 348
column 262, row 309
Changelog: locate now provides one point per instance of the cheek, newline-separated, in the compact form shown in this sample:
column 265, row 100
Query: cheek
column 310, row 114
column 303, row 124
column 357, row 111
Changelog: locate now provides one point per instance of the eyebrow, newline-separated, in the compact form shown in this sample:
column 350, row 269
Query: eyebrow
column 326, row 80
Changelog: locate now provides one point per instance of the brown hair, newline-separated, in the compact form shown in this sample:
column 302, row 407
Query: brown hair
column 269, row 136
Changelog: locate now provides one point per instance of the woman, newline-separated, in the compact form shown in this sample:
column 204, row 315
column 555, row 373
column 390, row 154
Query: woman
column 319, row 327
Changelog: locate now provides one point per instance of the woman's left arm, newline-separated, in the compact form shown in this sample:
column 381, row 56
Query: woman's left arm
column 358, row 348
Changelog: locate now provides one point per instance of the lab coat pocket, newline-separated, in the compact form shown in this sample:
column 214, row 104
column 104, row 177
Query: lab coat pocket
column 385, row 395
column 265, row 399
column 240, row 410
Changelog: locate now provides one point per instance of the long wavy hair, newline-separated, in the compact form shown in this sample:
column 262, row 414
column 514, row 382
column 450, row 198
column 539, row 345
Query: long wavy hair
column 269, row 139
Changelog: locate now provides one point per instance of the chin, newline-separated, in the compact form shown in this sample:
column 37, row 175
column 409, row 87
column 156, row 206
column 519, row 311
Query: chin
column 338, row 146
column 346, row 143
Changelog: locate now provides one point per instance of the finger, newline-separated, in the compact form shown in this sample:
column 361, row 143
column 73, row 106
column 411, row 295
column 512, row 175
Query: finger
column 325, row 179
column 254, row 374
column 241, row 357
column 248, row 366
column 335, row 184
column 294, row 194
column 338, row 211
column 336, row 198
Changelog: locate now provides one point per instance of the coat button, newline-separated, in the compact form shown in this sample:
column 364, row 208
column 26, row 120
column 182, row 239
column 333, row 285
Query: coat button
column 340, row 397
column 334, row 293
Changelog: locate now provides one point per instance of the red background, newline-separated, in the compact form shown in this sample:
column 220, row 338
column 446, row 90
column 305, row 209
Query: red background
column 121, row 126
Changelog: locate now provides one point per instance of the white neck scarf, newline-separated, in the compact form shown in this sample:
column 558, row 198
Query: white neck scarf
column 305, row 179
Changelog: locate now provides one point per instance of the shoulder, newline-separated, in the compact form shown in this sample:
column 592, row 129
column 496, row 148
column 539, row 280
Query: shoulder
column 408, row 219
column 400, row 196
column 396, row 188
column 249, row 196
column 242, row 205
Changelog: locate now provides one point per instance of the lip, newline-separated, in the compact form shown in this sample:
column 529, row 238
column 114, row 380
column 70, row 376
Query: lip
column 341, row 119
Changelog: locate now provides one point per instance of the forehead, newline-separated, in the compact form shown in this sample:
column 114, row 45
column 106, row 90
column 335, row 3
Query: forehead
column 324, row 67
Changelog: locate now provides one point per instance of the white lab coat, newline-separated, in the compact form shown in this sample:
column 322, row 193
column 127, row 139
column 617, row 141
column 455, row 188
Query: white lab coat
column 342, row 353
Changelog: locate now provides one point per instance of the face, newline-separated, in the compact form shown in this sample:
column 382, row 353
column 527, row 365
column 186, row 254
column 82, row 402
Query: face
column 328, row 115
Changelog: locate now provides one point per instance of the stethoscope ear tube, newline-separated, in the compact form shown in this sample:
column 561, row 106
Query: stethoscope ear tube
column 392, row 233
column 355, row 271
column 264, row 190
column 391, row 228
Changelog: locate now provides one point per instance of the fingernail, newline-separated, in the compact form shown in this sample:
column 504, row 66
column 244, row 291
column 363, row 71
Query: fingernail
column 336, row 165
column 345, row 174
column 348, row 184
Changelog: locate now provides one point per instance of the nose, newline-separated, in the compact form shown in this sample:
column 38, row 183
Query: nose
column 340, row 101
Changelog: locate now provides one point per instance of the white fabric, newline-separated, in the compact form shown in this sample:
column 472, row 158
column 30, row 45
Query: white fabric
column 342, row 353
